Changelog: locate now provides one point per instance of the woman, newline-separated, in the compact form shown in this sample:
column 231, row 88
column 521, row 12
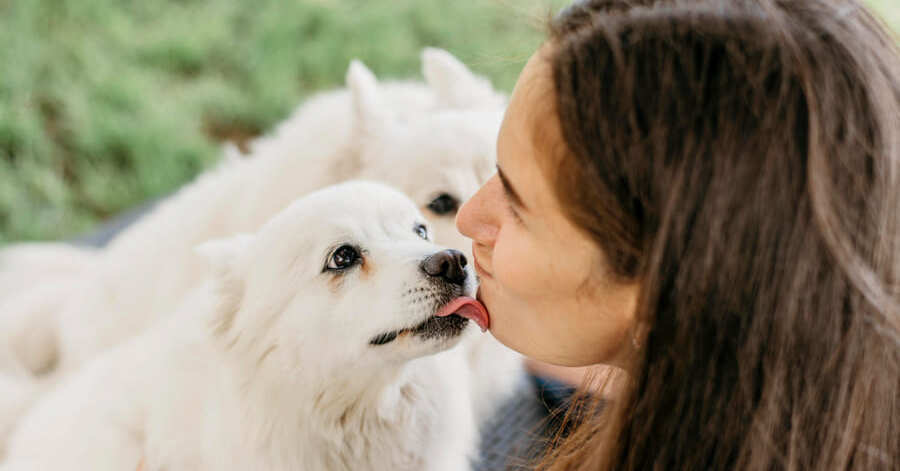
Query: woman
column 706, row 194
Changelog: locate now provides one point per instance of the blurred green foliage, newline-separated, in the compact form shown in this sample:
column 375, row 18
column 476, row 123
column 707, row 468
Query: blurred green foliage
column 106, row 103
column 889, row 10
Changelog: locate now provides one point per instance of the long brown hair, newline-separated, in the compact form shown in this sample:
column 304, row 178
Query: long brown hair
column 741, row 160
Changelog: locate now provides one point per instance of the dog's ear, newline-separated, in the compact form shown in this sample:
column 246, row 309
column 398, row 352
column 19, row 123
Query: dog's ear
column 370, row 113
column 455, row 85
column 223, row 254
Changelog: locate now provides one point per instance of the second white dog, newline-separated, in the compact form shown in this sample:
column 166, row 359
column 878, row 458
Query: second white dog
column 319, row 344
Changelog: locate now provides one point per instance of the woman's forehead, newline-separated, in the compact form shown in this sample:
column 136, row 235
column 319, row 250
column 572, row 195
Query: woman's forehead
column 534, row 88
column 530, row 131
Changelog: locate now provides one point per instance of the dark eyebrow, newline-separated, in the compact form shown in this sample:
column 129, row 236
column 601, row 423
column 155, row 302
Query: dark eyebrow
column 510, row 191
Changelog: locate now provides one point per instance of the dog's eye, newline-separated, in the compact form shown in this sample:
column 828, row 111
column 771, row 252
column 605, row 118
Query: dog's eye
column 443, row 204
column 421, row 231
column 343, row 257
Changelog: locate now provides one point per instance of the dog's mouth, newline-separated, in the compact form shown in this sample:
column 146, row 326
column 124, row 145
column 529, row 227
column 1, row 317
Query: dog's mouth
column 449, row 321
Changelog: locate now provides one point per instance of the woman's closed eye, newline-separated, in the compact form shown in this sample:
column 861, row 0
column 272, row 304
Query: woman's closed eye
column 512, row 208
column 513, row 201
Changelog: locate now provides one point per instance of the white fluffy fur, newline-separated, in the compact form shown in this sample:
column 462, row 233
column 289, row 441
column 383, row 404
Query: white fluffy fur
column 269, row 365
column 351, row 134
column 35, row 281
column 422, row 139
column 22, row 266
column 17, row 392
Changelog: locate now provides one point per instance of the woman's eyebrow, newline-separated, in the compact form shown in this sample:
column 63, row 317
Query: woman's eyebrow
column 510, row 191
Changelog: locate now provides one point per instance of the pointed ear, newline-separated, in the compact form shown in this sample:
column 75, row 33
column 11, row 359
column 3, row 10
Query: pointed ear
column 369, row 111
column 455, row 85
column 223, row 254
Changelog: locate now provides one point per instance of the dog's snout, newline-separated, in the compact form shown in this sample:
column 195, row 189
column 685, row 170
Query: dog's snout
column 449, row 265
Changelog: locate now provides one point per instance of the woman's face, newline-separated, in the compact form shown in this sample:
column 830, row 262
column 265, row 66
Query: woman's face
column 543, row 281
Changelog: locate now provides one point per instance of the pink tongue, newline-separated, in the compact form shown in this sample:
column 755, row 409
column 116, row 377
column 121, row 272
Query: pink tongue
column 469, row 308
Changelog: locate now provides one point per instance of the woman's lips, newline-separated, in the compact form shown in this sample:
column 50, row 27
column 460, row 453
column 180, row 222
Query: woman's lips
column 478, row 268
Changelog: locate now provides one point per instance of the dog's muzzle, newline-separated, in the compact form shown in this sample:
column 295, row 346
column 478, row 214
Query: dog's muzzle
column 447, row 270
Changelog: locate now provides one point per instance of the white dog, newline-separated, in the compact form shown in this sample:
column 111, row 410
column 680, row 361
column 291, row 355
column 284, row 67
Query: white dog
column 315, row 347
column 438, row 158
column 434, row 142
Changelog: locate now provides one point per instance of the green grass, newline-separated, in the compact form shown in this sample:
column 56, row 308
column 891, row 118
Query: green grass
column 106, row 103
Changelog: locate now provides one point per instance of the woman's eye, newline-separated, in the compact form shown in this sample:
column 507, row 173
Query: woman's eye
column 421, row 231
column 343, row 257
column 514, row 212
column 443, row 204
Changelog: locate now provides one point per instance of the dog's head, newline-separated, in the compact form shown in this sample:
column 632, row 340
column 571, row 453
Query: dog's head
column 346, row 276
column 440, row 157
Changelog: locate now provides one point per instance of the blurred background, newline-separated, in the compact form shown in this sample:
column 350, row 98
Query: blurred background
column 105, row 104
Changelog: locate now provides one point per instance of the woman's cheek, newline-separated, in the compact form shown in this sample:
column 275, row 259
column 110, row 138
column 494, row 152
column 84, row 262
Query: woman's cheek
column 517, row 265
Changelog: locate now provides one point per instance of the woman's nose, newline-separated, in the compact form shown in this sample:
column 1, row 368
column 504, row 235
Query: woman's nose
column 477, row 218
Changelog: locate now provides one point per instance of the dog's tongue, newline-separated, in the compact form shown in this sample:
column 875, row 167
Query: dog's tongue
column 469, row 308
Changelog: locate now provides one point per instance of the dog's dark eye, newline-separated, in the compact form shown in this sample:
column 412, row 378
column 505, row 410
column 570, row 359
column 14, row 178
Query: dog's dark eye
column 343, row 257
column 443, row 204
column 421, row 231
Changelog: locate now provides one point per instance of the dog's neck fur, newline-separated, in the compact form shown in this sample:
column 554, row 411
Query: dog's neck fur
column 379, row 416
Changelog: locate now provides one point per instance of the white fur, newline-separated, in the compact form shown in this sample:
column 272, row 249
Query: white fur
column 35, row 281
column 17, row 391
column 269, row 366
column 24, row 265
column 149, row 268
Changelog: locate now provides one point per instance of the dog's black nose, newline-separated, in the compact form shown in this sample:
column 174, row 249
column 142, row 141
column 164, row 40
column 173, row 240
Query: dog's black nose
column 447, row 264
